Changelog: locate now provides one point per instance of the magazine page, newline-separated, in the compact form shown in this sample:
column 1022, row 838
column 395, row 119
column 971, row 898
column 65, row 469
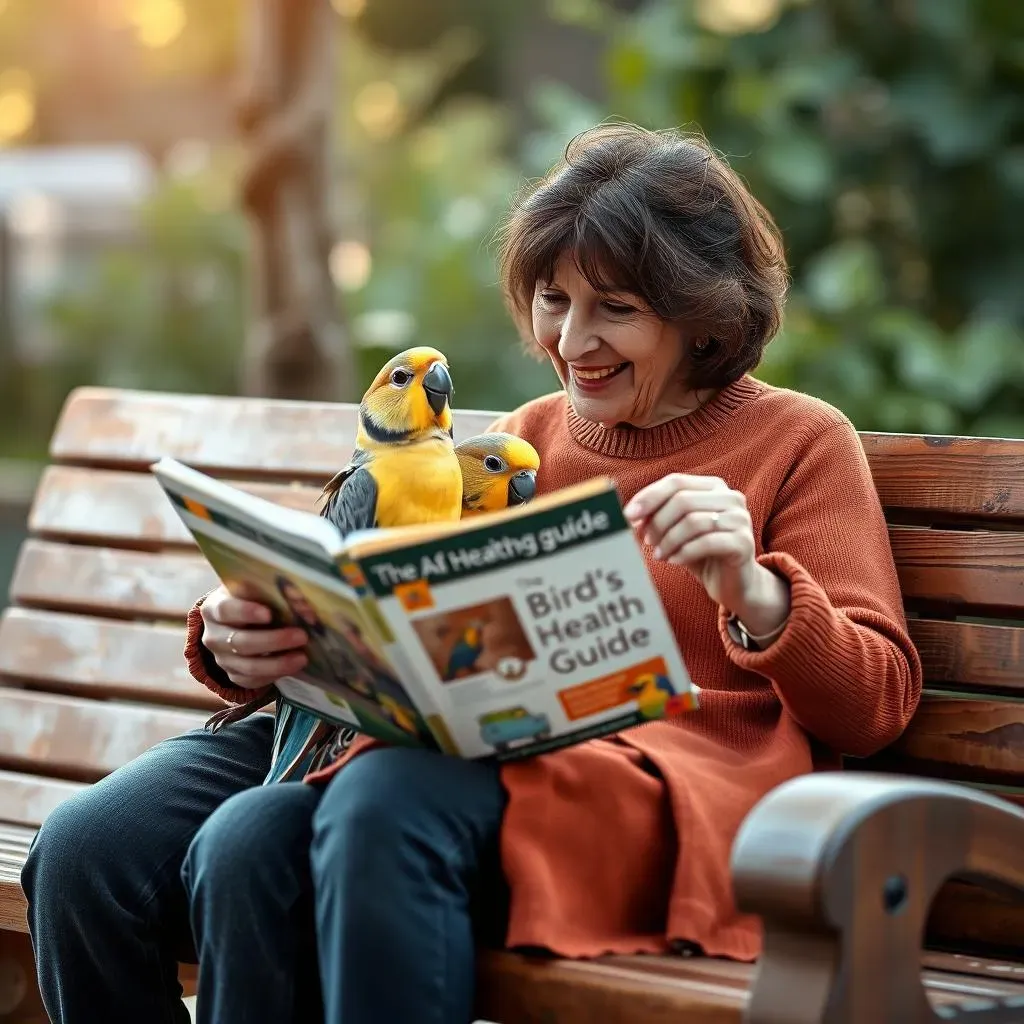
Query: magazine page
column 536, row 631
column 348, row 679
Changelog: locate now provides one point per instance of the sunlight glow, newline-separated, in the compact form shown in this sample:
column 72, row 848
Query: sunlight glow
column 346, row 8
column 350, row 265
column 733, row 17
column 157, row 22
column 17, row 104
column 378, row 108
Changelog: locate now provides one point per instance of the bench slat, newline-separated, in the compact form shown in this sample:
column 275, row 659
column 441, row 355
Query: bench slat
column 99, row 658
column 246, row 436
column 128, row 509
column 27, row 800
column 961, row 738
column 969, row 654
column 110, row 581
column 12, row 899
column 258, row 436
column 983, row 569
column 516, row 989
column 957, row 476
column 82, row 740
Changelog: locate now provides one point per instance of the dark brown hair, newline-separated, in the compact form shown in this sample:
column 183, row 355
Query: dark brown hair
column 662, row 216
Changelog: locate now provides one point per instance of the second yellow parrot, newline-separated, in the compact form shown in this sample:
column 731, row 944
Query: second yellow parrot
column 498, row 471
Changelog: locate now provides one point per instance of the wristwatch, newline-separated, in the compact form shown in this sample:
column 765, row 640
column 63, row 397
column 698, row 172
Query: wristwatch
column 747, row 640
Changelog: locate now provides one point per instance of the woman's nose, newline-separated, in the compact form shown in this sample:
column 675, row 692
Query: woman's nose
column 576, row 336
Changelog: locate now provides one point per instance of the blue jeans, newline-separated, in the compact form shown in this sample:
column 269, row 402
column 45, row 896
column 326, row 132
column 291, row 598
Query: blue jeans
column 379, row 883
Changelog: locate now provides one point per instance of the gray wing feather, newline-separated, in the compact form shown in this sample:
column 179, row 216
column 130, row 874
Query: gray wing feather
column 352, row 497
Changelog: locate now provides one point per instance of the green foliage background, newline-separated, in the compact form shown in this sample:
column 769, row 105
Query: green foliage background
column 887, row 139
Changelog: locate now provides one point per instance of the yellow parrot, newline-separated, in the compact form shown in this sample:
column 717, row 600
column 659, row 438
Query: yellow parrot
column 498, row 470
column 404, row 471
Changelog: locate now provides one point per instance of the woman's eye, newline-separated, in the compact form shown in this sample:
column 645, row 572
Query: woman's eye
column 551, row 298
column 618, row 308
column 493, row 464
column 400, row 377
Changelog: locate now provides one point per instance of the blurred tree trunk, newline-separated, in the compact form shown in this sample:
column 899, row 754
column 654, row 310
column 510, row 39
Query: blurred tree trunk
column 296, row 346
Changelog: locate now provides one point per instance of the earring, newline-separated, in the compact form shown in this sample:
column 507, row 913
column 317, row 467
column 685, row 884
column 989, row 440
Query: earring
column 701, row 344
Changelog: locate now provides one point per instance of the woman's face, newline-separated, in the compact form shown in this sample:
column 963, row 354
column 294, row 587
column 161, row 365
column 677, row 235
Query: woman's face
column 618, row 361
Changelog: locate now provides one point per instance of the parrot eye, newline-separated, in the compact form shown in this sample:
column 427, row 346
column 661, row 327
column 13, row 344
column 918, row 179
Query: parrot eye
column 493, row 464
column 400, row 378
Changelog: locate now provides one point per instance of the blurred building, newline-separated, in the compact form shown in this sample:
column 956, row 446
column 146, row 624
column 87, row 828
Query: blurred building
column 58, row 205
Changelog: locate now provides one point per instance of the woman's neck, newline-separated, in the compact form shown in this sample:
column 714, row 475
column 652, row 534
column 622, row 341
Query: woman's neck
column 688, row 403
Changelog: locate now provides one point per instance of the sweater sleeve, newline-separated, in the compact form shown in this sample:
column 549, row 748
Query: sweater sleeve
column 202, row 666
column 844, row 665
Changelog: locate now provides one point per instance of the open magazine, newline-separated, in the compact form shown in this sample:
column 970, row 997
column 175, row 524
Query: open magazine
column 508, row 634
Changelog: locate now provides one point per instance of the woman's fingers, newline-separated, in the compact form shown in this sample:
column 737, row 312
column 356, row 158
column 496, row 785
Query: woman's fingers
column 254, row 673
column 729, row 547
column 648, row 500
column 699, row 524
column 254, row 643
column 683, row 504
column 221, row 607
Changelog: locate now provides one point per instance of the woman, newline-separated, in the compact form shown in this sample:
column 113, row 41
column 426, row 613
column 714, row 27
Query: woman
column 652, row 280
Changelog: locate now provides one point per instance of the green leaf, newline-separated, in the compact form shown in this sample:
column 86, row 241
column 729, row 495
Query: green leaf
column 799, row 164
column 944, row 113
column 845, row 276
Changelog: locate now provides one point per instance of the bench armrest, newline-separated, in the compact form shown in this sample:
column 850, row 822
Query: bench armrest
column 842, row 868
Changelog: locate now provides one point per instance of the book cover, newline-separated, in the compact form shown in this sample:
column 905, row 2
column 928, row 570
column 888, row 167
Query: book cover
column 506, row 635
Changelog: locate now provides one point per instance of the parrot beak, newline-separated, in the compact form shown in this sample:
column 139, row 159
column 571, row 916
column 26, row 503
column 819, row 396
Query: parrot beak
column 437, row 383
column 522, row 487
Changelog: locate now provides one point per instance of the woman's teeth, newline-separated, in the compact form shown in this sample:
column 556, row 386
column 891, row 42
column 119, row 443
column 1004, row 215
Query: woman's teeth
column 597, row 374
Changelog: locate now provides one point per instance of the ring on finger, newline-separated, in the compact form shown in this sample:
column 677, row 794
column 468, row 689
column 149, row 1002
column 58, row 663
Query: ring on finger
column 231, row 643
column 715, row 516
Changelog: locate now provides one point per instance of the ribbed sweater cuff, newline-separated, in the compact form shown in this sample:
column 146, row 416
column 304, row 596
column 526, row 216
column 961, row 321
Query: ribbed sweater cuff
column 805, row 644
column 201, row 664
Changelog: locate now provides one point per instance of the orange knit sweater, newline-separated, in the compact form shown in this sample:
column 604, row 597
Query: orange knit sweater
column 622, row 844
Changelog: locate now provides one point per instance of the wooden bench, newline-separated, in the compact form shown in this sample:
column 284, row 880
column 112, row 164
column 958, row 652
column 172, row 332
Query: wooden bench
column 91, row 674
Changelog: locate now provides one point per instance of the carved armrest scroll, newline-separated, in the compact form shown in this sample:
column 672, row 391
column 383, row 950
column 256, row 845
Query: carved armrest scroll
column 843, row 867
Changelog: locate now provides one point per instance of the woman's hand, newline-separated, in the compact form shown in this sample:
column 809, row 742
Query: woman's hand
column 238, row 635
column 701, row 523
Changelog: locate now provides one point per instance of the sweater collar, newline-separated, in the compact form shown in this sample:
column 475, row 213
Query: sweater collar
column 627, row 442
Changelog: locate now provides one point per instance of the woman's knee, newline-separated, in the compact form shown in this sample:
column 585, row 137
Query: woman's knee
column 74, row 853
column 251, row 839
column 391, row 798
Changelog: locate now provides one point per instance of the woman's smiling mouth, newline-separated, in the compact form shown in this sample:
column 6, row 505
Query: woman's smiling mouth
column 592, row 378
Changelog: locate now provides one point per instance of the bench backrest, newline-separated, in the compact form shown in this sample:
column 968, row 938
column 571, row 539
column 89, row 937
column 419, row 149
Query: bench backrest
column 91, row 667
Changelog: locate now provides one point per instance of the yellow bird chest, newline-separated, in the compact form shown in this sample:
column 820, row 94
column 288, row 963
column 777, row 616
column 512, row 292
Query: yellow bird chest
column 418, row 486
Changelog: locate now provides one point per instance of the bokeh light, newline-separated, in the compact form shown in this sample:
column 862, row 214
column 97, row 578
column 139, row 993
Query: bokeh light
column 350, row 265
column 346, row 8
column 157, row 23
column 378, row 108
column 732, row 17
column 17, row 104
